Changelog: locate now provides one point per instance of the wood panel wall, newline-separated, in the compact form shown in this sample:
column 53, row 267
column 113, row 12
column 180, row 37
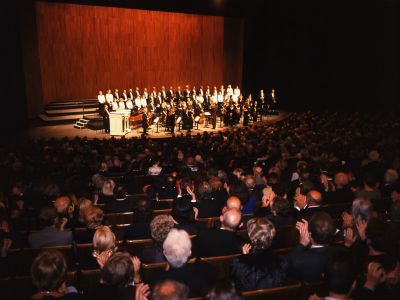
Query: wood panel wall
column 84, row 49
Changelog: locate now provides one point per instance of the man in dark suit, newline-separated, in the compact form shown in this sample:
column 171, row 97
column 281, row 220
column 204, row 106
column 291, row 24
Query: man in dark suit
column 116, row 94
column 145, row 121
column 221, row 241
column 308, row 259
column 50, row 235
column 170, row 93
column 178, row 94
column 313, row 205
column 106, row 119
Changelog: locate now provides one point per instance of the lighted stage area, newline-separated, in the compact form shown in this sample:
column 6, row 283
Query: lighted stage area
column 68, row 130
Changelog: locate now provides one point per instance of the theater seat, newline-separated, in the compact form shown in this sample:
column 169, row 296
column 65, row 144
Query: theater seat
column 119, row 218
column 287, row 292
column 162, row 212
column 88, row 280
column 135, row 247
column 207, row 222
column 221, row 264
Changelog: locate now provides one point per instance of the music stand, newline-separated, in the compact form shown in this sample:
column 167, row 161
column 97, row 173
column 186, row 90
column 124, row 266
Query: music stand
column 196, row 121
column 156, row 121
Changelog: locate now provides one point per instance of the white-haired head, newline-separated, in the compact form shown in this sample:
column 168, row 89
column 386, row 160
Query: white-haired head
column 177, row 247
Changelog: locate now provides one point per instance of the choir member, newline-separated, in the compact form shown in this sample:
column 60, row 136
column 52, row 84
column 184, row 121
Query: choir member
column 109, row 97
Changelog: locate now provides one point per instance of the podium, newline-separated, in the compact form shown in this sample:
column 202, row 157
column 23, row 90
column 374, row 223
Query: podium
column 119, row 122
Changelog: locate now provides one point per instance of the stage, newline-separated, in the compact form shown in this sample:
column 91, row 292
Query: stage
column 67, row 130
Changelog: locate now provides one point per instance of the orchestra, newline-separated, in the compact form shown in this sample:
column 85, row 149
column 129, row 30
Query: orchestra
column 190, row 107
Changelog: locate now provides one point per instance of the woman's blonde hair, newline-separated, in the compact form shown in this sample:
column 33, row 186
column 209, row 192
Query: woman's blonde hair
column 261, row 232
column 103, row 240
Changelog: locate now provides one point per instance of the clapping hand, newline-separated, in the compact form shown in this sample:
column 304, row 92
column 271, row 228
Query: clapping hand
column 142, row 292
column 302, row 227
column 246, row 248
column 375, row 275
column 349, row 237
column 361, row 228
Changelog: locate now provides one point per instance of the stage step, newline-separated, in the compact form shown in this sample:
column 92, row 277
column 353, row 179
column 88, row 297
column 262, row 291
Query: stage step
column 69, row 112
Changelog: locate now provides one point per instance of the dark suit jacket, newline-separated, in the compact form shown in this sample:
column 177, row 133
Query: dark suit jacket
column 117, row 206
column 208, row 208
column 217, row 242
column 260, row 269
column 306, row 213
column 138, row 230
column 152, row 254
column 49, row 236
column 197, row 276
column 308, row 264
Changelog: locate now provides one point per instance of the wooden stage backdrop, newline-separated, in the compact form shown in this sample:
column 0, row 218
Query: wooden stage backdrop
column 82, row 49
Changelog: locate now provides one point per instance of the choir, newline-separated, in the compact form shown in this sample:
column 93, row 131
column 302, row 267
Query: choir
column 190, row 107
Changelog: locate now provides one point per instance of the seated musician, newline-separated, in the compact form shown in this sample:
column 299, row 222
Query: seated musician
column 114, row 105
column 129, row 104
column 138, row 103
column 121, row 104
column 145, row 121
column 220, row 100
column 143, row 100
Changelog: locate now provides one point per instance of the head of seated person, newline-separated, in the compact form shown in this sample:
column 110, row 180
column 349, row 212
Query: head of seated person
column 83, row 204
column 160, row 226
column 378, row 236
column 177, row 248
column 223, row 289
column 120, row 192
column 233, row 202
column 103, row 244
column 261, row 233
column 64, row 206
column 340, row 276
column 143, row 211
column 204, row 191
column 108, row 187
column 230, row 219
column 93, row 217
column 281, row 207
column 48, row 216
column 240, row 190
column 170, row 290
column 314, row 198
column 118, row 271
column 361, row 209
column 321, row 228
column 48, row 272
column 183, row 212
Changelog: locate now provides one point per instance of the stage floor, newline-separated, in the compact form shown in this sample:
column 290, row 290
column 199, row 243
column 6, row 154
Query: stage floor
column 61, row 131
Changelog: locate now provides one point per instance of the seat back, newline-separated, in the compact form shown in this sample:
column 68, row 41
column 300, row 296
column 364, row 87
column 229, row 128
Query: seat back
column 135, row 247
column 287, row 292
column 89, row 280
column 119, row 231
column 161, row 212
column 207, row 222
column 151, row 271
column 25, row 257
column 119, row 218
column 286, row 237
column 221, row 264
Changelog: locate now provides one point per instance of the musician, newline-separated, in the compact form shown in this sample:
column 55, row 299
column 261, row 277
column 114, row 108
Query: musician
column 116, row 94
column 138, row 102
column 124, row 95
column 121, row 104
column 178, row 94
column 236, row 93
column 213, row 116
column 273, row 100
column 136, row 94
column 145, row 121
column 129, row 104
column 143, row 101
column 246, row 114
column 163, row 93
column 263, row 102
column 220, row 99
column 102, row 99
column 200, row 91
column 194, row 93
column 207, row 98
column 145, row 93
column 171, row 119
column 231, row 114
column 130, row 95
column 170, row 93
column 186, row 93
column 106, row 118
column 158, row 100
column 154, row 92
column 109, row 97
column 115, row 105
column 215, row 92
column 222, row 90
column 229, row 90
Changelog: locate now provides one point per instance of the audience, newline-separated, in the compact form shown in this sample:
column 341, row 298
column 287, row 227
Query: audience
column 273, row 174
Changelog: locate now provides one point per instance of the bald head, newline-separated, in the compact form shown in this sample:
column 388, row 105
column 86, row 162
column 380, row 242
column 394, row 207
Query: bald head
column 314, row 197
column 170, row 290
column 231, row 219
column 233, row 202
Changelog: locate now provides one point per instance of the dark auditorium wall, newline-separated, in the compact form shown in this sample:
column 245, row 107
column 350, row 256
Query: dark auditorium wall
column 86, row 48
